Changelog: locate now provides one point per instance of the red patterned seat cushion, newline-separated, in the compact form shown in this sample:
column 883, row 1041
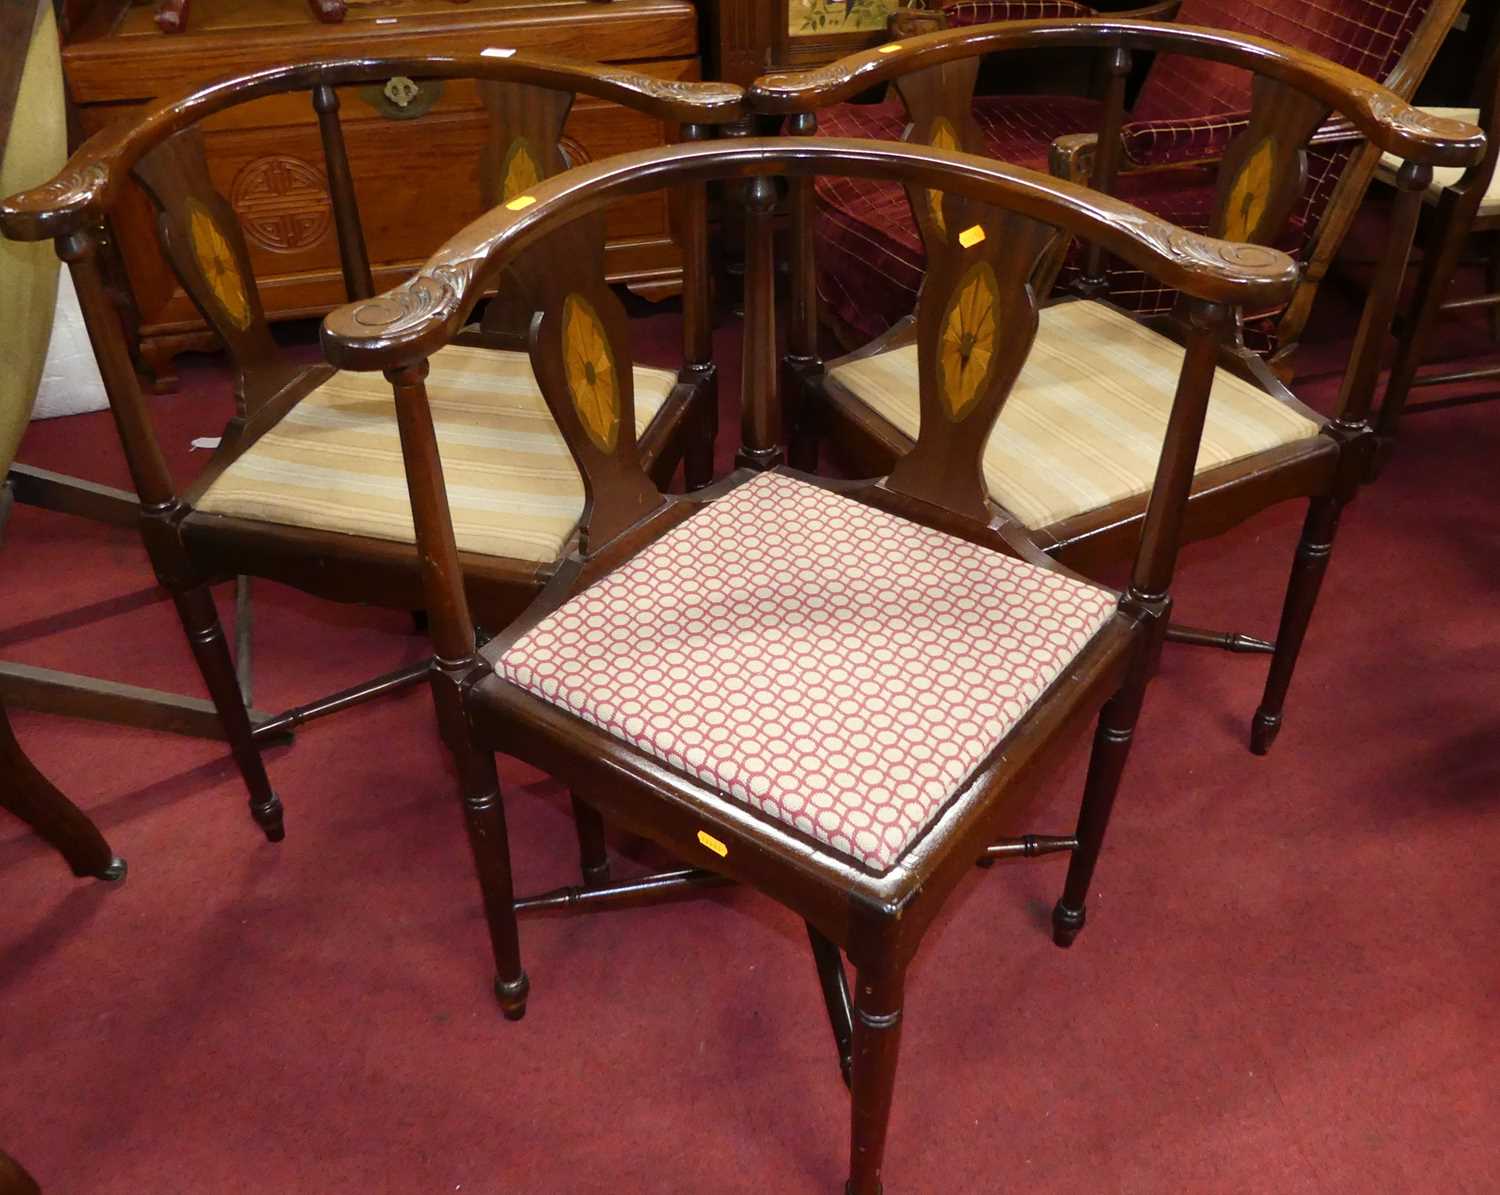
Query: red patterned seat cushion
column 870, row 258
column 834, row 667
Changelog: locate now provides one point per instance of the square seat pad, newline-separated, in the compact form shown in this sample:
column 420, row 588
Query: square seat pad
column 833, row 666
column 334, row 461
column 1444, row 177
column 1084, row 425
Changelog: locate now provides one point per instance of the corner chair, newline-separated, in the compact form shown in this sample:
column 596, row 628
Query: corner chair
column 306, row 487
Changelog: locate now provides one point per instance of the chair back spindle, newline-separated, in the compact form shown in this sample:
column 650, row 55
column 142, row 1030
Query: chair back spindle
column 354, row 256
column 1106, row 166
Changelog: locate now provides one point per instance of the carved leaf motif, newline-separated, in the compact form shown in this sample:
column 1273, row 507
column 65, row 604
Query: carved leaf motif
column 589, row 366
column 520, row 171
column 1252, row 188
column 944, row 136
column 966, row 346
column 217, row 262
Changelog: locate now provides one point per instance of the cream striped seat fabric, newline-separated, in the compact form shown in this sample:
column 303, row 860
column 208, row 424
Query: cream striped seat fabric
column 334, row 462
column 1084, row 425
column 1444, row 177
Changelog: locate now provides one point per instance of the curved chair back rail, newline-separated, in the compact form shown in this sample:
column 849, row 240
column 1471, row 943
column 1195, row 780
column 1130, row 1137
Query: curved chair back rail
column 1379, row 113
column 91, row 182
column 406, row 324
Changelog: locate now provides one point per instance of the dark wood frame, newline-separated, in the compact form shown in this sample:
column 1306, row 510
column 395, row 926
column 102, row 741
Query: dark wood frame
column 1294, row 93
column 1080, row 158
column 529, row 96
column 1454, row 220
column 878, row 920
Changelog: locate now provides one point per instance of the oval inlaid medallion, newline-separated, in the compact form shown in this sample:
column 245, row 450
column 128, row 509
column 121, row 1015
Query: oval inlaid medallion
column 520, row 171
column 217, row 262
column 589, row 365
column 1252, row 188
column 966, row 345
column 944, row 136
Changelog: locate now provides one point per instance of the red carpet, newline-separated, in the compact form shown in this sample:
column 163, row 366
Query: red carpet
column 1288, row 983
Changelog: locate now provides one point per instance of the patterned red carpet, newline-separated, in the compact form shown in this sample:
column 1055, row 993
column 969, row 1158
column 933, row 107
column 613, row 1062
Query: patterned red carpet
column 1288, row 983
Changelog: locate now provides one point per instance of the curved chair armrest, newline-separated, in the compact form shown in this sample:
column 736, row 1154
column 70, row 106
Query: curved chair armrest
column 88, row 186
column 1384, row 117
column 409, row 323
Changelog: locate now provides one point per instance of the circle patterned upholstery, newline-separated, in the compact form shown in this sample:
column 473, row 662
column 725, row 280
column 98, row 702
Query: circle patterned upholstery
column 832, row 665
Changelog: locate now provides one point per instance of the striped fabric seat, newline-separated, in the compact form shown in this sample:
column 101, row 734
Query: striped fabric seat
column 1084, row 425
column 334, row 461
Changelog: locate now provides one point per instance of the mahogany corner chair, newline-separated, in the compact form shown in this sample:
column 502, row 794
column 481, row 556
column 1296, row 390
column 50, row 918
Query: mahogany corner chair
column 1159, row 154
column 306, row 486
column 1073, row 457
column 837, row 692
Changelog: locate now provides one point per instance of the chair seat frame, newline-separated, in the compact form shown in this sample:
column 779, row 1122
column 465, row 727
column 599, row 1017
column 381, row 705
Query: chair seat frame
column 876, row 919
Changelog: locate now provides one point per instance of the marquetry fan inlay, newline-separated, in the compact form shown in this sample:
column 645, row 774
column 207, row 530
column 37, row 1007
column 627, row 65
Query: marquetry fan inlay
column 217, row 262
column 966, row 349
column 589, row 365
column 520, row 171
column 1247, row 201
column 943, row 137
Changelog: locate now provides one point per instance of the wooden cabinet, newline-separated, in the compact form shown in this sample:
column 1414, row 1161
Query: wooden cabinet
column 414, row 145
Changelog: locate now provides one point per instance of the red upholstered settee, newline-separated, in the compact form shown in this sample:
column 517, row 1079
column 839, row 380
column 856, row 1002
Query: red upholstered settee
column 870, row 257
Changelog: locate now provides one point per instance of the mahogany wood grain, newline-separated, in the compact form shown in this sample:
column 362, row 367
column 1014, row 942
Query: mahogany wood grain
column 993, row 227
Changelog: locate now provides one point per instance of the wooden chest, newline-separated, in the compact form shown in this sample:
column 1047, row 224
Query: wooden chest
column 413, row 146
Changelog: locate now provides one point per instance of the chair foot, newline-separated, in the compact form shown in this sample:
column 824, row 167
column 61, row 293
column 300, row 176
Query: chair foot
column 511, row 996
column 1067, row 923
column 1263, row 731
column 596, row 876
column 268, row 816
column 114, row 872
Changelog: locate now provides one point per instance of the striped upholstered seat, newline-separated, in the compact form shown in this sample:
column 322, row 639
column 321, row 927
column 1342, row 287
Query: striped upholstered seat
column 334, row 461
column 1084, row 425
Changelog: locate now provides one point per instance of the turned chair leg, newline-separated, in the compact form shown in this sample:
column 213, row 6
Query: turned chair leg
column 25, row 792
column 698, row 455
column 1112, row 742
column 593, row 855
column 805, row 437
column 484, row 819
column 1444, row 246
column 200, row 619
column 877, row 1042
column 1308, row 568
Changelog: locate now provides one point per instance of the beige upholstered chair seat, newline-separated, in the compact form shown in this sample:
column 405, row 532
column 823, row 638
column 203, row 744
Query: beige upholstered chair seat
column 1444, row 177
column 830, row 665
column 334, row 461
column 1084, row 425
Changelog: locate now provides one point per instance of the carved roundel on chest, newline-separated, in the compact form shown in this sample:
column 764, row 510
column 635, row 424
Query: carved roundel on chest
column 217, row 264
column 589, row 366
column 943, row 136
column 1248, row 197
column 282, row 203
column 520, row 171
column 966, row 345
